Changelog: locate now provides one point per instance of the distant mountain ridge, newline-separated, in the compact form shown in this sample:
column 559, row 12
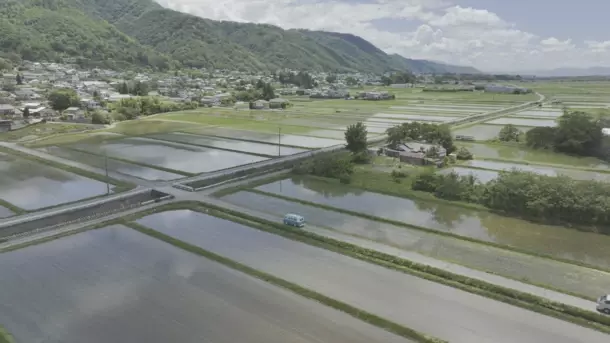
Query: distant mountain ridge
column 572, row 72
column 99, row 31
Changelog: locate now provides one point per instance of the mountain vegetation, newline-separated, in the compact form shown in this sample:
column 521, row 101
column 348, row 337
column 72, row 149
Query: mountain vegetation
column 118, row 33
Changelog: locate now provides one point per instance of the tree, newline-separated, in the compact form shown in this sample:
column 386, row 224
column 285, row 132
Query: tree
column 63, row 98
column 509, row 133
column 351, row 81
column 355, row 137
column 123, row 88
column 331, row 78
column 540, row 138
column 396, row 136
column 26, row 113
column 99, row 118
column 464, row 154
column 577, row 133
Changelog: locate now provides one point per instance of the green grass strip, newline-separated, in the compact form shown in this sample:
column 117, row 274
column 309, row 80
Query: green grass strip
column 120, row 186
column 352, row 311
column 425, row 229
column 13, row 208
column 510, row 296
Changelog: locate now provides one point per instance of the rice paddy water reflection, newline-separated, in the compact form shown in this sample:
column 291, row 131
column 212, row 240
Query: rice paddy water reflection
column 557, row 241
column 584, row 281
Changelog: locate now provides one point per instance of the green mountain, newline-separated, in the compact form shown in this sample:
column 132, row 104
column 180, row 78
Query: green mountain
column 52, row 29
column 141, row 32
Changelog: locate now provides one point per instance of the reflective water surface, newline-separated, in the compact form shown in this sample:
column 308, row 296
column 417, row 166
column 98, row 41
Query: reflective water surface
column 553, row 240
column 31, row 185
column 118, row 285
column 567, row 277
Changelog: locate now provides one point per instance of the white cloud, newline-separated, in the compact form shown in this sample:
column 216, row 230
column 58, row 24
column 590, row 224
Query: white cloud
column 444, row 32
column 596, row 46
column 460, row 16
column 554, row 44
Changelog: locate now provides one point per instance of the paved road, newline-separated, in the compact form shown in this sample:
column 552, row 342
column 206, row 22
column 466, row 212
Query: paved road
column 442, row 311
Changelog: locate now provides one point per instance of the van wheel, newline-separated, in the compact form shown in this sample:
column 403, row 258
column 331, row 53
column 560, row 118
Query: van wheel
column 606, row 310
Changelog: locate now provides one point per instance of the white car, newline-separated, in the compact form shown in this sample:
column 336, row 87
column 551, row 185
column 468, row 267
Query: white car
column 603, row 304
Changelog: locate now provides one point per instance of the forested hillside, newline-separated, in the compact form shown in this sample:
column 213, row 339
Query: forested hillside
column 49, row 30
column 117, row 33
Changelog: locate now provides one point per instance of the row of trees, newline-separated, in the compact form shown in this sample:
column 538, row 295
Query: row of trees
column 135, row 88
column 422, row 132
column 131, row 108
column 554, row 200
column 301, row 79
column 404, row 77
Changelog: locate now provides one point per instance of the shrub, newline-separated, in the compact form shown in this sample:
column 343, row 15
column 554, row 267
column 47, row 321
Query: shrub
column 464, row 154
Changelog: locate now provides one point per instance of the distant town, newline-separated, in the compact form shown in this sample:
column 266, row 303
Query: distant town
column 102, row 96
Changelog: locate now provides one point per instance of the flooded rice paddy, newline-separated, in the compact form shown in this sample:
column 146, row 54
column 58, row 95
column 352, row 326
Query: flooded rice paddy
column 402, row 298
column 180, row 158
column 272, row 138
column 414, row 117
column 542, row 170
column 552, row 240
column 523, row 122
column 483, row 132
column 31, row 185
column 222, row 143
column 539, row 114
column 118, row 285
column 567, row 277
column 113, row 165
column 532, row 155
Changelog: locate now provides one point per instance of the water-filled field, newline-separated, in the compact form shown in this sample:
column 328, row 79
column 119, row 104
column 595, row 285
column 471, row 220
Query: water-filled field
column 272, row 138
column 483, row 225
column 118, row 285
column 221, row 143
column 542, row 170
column 522, row 122
column 31, row 185
column 181, row 158
column 482, row 132
column 399, row 297
column 121, row 167
column 584, row 281
column 519, row 153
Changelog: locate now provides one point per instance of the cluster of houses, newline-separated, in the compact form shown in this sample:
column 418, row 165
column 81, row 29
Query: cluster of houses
column 417, row 153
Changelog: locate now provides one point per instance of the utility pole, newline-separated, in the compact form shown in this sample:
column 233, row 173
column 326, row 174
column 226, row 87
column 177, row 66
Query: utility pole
column 279, row 142
column 106, row 168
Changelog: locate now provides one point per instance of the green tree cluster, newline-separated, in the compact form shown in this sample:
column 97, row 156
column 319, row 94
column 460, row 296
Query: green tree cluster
column 261, row 90
column 131, row 108
column 578, row 133
column 334, row 165
column 422, row 132
column 509, row 133
column 61, row 99
column 402, row 77
column 301, row 79
column 553, row 200
column 137, row 88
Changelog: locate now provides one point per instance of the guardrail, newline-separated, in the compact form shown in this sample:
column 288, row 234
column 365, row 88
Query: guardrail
column 29, row 218
column 251, row 168
column 70, row 222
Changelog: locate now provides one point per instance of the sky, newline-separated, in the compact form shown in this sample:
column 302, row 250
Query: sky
column 491, row 35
